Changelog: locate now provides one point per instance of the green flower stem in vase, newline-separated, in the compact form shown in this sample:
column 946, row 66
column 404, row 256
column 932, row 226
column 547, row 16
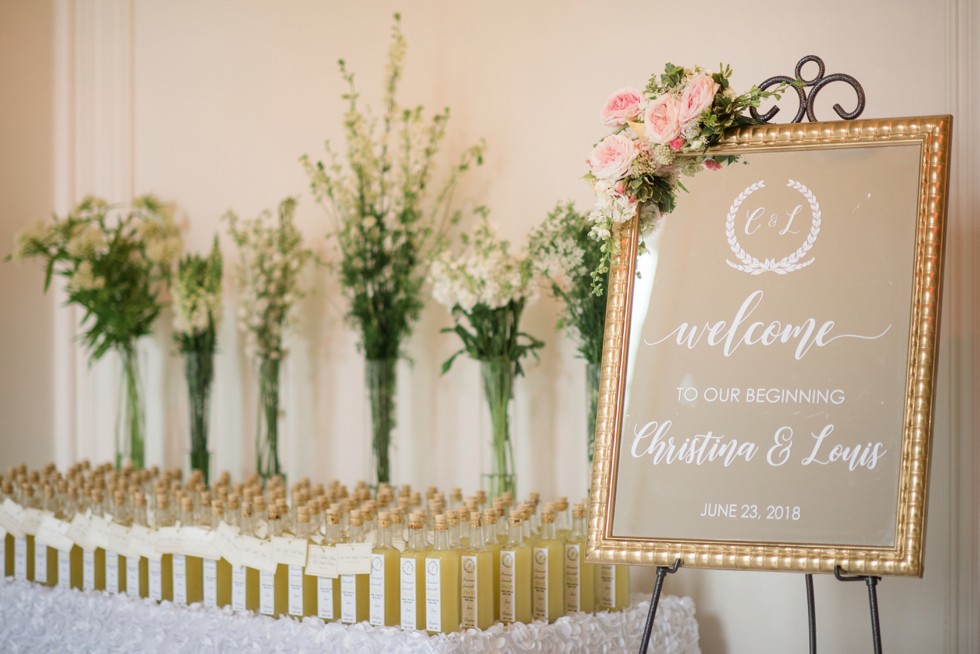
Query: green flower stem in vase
column 130, row 418
column 267, row 437
column 592, row 402
column 199, row 372
column 381, row 376
column 498, row 389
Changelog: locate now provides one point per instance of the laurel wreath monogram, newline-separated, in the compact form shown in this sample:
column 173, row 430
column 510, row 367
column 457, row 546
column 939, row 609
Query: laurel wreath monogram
column 785, row 265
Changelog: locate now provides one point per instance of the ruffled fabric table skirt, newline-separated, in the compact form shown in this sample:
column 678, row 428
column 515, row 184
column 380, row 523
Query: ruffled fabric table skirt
column 39, row 619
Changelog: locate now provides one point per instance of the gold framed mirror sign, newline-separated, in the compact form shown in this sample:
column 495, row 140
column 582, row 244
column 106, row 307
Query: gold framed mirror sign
column 766, row 397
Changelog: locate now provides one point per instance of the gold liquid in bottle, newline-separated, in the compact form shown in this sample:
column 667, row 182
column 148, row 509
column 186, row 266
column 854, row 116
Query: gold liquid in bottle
column 216, row 573
column 476, row 579
column 45, row 556
column 24, row 545
column 515, row 576
column 548, row 601
column 412, row 577
column 137, row 568
column 302, row 587
column 161, row 569
column 355, row 589
column 579, row 575
column 385, row 607
column 273, row 586
column 493, row 544
column 328, row 588
column 441, row 582
column 188, row 571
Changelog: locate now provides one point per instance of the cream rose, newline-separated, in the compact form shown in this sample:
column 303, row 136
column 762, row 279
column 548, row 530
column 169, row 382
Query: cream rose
column 696, row 97
column 661, row 120
column 621, row 106
column 612, row 157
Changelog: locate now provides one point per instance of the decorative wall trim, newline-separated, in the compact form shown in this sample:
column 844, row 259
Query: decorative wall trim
column 93, row 154
column 963, row 99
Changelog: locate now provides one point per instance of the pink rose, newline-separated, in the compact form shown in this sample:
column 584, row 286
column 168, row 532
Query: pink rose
column 711, row 164
column 677, row 144
column 621, row 106
column 612, row 157
column 696, row 97
column 661, row 120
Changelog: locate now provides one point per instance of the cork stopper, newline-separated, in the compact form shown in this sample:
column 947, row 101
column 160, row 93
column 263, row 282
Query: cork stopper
column 578, row 511
column 356, row 518
column 48, row 491
column 163, row 501
column 396, row 516
column 475, row 519
column 516, row 518
column 139, row 499
column 247, row 509
column 217, row 508
column 415, row 521
column 118, row 496
column 186, row 505
column 333, row 517
column 273, row 512
column 441, row 522
column 490, row 515
column 302, row 515
column 384, row 520
column 451, row 518
column 233, row 502
column 562, row 503
column 548, row 517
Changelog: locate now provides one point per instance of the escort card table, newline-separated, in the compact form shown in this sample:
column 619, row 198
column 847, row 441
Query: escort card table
column 39, row 619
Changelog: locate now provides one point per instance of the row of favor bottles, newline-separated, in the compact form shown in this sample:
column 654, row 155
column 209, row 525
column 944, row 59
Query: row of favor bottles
column 330, row 553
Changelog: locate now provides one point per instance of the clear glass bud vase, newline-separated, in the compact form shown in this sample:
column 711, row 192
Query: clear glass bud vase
column 381, row 377
column 267, row 436
column 498, row 389
column 130, row 416
column 199, row 373
column 592, row 405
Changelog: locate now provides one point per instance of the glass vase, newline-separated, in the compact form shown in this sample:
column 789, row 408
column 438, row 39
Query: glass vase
column 130, row 416
column 592, row 406
column 498, row 389
column 382, row 381
column 267, row 434
column 199, row 373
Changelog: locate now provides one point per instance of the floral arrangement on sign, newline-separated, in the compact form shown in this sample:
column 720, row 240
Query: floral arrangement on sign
column 661, row 134
column 387, row 226
column 272, row 259
column 116, row 260
column 564, row 255
column 486, row 287
column 197, row 313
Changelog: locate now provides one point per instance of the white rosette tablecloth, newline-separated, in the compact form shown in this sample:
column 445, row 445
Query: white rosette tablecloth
column 39, row 619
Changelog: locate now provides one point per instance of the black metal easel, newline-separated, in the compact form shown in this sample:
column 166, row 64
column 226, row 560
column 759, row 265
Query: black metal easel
column 799, row 84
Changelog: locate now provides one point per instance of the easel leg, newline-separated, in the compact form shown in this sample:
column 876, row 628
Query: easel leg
column 811, row 614
column 872, row 601
column 662, row 572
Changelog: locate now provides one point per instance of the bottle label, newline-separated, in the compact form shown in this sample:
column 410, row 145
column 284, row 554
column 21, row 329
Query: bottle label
column 539, row 584
column 267, row 592
column 238, row 588
column 210, row 582
column 324, row 598
column 40, row 562
column 377, row 590
column 469, row 592
column 88, row 569
column 132, row 576
column 20, row 558
column 156, row 581
column 573, row 572
column 295, row 590
column 433, row 595
column 180, row 579
column 507, row 608
column 607, row 585
column 408, row 584
column 111, row 572
column 64, row 568
column 348, row 599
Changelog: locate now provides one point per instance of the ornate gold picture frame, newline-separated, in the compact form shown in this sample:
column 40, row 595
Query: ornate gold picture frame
column 766, row 394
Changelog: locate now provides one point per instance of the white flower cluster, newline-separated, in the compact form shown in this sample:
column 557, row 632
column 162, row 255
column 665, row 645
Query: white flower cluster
column 84, row 278
column 562, row 261
column 272, row 258
column 486, row 273
column 87, row 240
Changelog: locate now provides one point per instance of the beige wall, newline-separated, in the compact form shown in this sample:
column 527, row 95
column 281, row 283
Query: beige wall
column 26, row 189
column 210, row 105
